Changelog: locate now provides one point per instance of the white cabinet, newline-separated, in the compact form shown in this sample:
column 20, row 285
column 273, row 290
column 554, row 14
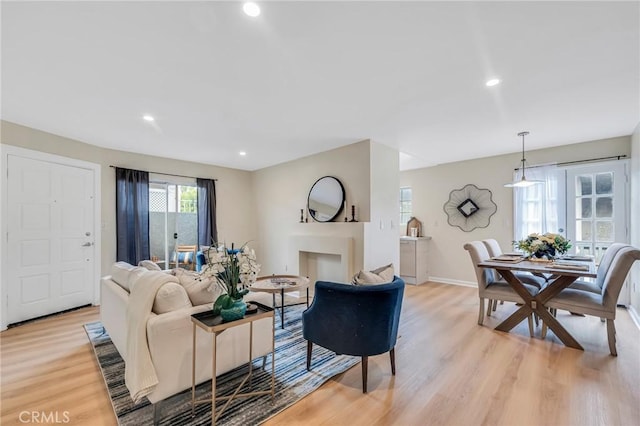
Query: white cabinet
column 413, row 259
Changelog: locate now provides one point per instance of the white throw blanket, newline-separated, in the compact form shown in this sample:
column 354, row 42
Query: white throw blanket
column 139, row 373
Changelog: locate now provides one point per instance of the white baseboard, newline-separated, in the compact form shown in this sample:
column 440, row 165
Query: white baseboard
column 454, row 282
column 634, row 315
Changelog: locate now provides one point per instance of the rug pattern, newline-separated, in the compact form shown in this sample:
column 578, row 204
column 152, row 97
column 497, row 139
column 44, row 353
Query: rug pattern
column 292, row 381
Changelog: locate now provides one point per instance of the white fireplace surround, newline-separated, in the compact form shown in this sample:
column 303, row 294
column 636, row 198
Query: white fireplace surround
column 341, row 246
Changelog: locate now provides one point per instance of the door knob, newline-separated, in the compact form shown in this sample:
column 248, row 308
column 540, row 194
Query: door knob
column 87, row 244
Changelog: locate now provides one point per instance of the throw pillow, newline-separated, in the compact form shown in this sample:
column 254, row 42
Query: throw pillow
column 386, row 272
column 124, row 274
column 150, row 265
column 382, row 275
column 120, row 272
column 182, row 257
column 171, row 297
column 197, row 287
column 135, row 274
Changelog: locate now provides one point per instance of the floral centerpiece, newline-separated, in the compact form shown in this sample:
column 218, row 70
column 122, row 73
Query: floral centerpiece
column 234, row 270
column 544, row 246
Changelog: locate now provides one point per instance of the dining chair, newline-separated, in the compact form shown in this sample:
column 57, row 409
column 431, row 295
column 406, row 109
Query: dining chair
column 602, row 305
column 603, row 268
column 494, row 249
column 595, row 286
column 186, row 255
column 491, row 288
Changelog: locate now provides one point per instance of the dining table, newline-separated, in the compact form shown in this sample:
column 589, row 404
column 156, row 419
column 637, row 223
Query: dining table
column 559, row 274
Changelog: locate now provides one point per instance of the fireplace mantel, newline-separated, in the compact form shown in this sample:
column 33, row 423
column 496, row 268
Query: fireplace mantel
column 330, row 245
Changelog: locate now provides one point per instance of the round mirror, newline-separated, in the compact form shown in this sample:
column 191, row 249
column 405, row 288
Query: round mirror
column 326, row 199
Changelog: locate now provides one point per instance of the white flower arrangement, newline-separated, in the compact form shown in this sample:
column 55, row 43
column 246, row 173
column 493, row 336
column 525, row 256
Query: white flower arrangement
column 233, row 269
column 547, row 245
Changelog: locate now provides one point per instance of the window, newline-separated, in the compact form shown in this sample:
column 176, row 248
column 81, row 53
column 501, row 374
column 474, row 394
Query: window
column 538, row 207
column 405, row 205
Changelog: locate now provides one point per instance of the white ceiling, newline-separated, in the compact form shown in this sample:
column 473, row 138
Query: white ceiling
column 306, row 77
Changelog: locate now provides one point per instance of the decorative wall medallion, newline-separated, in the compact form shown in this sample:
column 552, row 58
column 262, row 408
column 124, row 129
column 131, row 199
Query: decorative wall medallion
column 470, row 208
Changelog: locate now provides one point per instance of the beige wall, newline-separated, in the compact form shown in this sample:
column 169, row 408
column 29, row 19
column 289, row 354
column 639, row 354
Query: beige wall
column 369, row 173
column 281, row 191
column 448, row 261
column 382, row 245
column 635, row 217
column 233, row 188
column 264, row 206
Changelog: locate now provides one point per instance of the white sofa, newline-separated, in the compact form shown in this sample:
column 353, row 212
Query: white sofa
column 169, row 332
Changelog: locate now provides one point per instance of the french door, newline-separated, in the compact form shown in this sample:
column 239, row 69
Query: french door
column 596, row 207
column 588, row 204
column 173, row 220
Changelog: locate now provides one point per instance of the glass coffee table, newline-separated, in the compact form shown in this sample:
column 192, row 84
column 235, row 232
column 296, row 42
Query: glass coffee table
column 281, row 284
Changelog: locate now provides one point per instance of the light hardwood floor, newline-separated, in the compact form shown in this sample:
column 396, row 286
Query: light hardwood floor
column 450, row 371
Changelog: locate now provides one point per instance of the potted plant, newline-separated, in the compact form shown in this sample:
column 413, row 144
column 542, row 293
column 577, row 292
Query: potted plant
column 546, row 246
column 234, row 270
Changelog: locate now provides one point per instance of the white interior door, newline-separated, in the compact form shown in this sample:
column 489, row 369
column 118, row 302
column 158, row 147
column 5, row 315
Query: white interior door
column 51, row 250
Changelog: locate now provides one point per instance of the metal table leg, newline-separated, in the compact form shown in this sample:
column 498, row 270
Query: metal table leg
column 282, row 308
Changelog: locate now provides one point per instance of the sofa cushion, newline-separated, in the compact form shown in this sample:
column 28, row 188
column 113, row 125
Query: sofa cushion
column 197, row 287
column 171, row 297
column 381, row 275
column 124, row 274
column 120, row 272
column 150, row 265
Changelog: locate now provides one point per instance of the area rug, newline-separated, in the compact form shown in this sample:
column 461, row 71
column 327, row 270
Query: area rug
column 292, row 382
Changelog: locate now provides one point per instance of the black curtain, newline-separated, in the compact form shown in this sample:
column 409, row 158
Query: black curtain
column 132, row 215
column 207, row 227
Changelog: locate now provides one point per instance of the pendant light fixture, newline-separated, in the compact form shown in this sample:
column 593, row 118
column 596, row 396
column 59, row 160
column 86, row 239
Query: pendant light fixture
column 523, row 182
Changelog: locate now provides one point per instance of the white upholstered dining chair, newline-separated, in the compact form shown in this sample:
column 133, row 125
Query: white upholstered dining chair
column 604, row 304
column 488, row 286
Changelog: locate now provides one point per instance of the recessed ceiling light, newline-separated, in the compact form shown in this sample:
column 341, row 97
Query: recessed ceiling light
column 493, row 82
column 242, row 153
column 148, row 118
column 251, row 9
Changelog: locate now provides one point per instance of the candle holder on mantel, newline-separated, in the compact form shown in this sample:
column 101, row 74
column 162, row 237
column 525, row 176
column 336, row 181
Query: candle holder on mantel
column 301, row 215
column 353, row 213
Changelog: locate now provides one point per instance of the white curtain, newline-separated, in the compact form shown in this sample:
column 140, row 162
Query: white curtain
column 539, row 208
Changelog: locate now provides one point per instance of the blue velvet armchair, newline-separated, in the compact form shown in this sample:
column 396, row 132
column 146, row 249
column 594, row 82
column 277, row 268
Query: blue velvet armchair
column 354, row 320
